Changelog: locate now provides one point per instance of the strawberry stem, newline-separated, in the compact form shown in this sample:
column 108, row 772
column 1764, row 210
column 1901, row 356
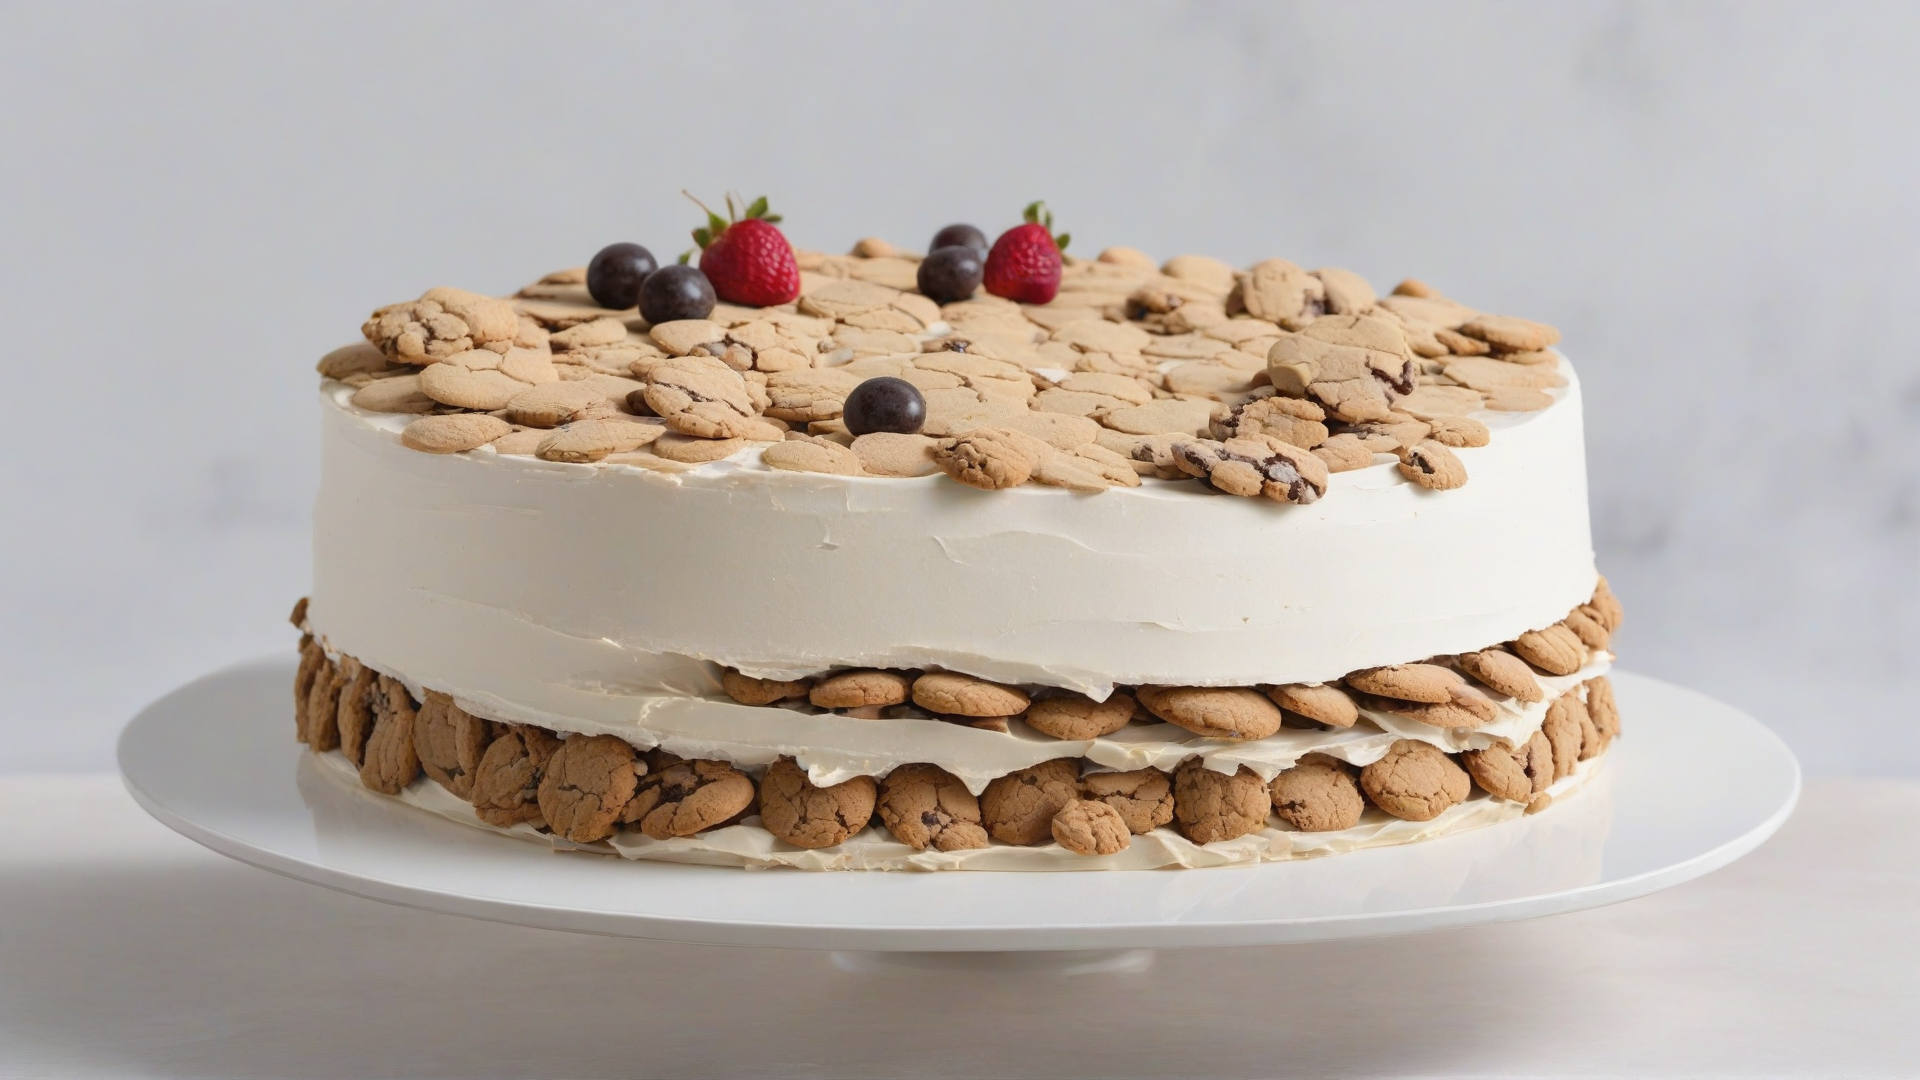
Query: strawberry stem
column 1037, row 213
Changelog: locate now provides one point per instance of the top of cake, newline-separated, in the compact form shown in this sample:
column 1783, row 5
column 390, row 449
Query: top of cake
column 999, row 367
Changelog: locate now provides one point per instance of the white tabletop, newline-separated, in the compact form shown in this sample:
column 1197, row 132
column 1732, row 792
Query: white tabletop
column 126, row 951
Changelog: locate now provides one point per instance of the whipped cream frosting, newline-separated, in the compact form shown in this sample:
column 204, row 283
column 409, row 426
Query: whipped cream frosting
column 605, row 597
column 748, row 845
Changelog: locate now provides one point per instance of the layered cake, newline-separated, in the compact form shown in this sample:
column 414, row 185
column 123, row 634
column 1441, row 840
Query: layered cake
column 991, row 558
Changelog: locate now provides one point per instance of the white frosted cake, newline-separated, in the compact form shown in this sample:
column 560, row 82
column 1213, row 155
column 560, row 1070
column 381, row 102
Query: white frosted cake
column 1180, row 565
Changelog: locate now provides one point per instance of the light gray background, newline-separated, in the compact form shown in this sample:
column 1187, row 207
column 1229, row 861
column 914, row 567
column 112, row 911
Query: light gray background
column 1716, row 202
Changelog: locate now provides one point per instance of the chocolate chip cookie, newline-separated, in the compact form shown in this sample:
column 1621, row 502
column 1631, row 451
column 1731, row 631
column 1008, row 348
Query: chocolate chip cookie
column 924, row 806
column 588, row 781
column 1018, row 808
column 1209, row 806
column 805, row 815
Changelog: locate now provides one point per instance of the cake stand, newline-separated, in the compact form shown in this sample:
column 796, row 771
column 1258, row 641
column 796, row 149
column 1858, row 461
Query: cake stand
column 1693, row 785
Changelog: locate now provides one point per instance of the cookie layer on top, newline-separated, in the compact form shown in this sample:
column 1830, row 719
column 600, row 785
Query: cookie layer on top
column 1258, row 382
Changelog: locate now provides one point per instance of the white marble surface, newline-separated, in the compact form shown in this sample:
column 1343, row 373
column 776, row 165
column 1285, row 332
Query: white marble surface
column 129, row 952
column 1718, row 203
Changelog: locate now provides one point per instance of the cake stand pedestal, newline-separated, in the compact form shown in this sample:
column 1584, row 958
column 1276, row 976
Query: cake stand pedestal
column 1693, row 785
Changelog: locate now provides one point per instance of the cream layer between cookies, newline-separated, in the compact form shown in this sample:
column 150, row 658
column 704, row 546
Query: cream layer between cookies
column 605, row 597
column 748, row 845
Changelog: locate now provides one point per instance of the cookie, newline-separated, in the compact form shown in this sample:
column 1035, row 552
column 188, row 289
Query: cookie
column 506, row 783
column 924, row 806
column 557, row 403
column 1165, row 416
column 705, row 400
column 1513, row 773
column 319, row 719
column 1142, row 797
column 860, row 688
column 1487, row 374
column 1347, row 293
column 1018, row 808
column 793, row 809
column 443, row 322
column 359, row 358
column 691, row 451
column 889, row 453
column 1517, row 399
column 1318, row 794
column 1602, row 709
column 449, row 742
column 1465, row 707
column 809, row 394
column 388, row 763
column 353, row 716
column 846, row 298
column 681, row 336
column 1203, row 270
column 688, row 797
column 587, row 783
column 990, row 458
column 748, row 690
column 585, row 441
column 312, row 663
column 471, row 380
column 1075, row 473
column 1112, row 468
column 1295, row 421
column 1214, row 711
column 1508, row 334
column 1344, row 453
column 1588, row 629
column 1604, row 608
column 1407, row 682
column 1460, row 344
column 1432, row 466
column 1123, row 388
column 1209, row 806
column 1089, row 827
column 605, row 330
column 1555, row 650
column 1077, row 716
column 1459, row 431
column 955, row 694
column 1414, row 781
column 1348, row 363
column 453, row 434
column 399, row 394
column 1279, row 292
column 1322, row 704
column 1434, row 403
column 1255, row 465
column 810, row 454
column 1126, row 256
column 1503, row 672
column 1565, row 728
column 1393, row 433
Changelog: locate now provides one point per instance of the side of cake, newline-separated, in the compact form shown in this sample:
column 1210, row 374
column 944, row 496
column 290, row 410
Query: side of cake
column 1172, row 565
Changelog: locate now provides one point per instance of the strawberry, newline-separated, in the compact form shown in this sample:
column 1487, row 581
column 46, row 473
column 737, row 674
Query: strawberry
column 1024, row 265
column 748, row 260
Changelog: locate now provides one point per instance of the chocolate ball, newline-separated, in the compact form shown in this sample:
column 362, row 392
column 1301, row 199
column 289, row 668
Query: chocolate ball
column 885, row 404
column 615, row 274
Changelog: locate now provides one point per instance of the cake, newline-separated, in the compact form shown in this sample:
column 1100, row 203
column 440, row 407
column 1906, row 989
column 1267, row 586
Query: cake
column 989, row 559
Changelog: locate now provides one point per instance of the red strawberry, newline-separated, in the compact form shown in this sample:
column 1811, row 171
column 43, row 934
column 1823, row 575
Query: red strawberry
column 1024, row 265
column 748, row 260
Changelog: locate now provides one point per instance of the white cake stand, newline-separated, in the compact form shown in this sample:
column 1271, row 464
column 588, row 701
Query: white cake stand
column 1693, row 785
